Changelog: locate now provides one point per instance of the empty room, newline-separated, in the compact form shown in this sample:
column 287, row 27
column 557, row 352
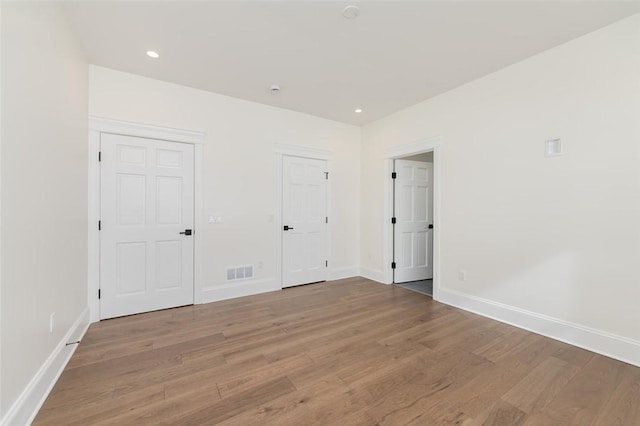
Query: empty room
column 319, row 212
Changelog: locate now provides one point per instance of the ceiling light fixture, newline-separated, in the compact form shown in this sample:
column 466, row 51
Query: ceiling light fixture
column 351, row 12
column 152, row 54
column 358, row 110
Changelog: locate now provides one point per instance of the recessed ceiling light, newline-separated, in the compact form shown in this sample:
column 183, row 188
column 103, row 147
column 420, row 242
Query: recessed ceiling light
column 351, row 12
column 152, row 54
column 358, row 110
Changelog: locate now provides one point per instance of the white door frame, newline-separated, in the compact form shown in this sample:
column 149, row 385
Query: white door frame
column 98, row 125
column 405, row 150
column 298, row 151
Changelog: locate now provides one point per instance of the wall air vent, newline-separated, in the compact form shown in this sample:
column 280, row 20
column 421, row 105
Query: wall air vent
column 239, row 272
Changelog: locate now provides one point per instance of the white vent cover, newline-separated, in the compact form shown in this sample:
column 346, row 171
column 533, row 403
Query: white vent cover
column 553, row 147
column 239, row 272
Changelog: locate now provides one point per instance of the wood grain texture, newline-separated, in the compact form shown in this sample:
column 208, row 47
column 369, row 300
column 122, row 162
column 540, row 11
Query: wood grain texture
column 348, row 352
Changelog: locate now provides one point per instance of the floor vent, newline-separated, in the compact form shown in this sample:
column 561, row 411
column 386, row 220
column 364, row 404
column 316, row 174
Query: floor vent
column 239, row 272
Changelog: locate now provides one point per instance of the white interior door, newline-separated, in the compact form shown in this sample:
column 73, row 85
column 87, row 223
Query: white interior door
column 304, row 219
column 413, row 231
column 146, row 208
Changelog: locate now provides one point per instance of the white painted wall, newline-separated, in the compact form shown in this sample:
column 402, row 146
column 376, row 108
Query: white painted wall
column 240, row 171
column 44, row 190
column 557, row 237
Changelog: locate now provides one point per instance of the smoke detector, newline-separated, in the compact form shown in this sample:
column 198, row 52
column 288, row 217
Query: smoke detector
column 351, row 12
column 274, row 89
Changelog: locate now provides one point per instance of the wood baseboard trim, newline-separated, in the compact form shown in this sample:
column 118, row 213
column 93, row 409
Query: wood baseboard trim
column 607, row 344
column 25, row 408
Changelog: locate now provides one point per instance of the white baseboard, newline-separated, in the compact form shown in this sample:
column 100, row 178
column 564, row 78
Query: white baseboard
column 341, row 273
column 237, row 289
column 25, row 408
column 372, row 274
column 611, row 345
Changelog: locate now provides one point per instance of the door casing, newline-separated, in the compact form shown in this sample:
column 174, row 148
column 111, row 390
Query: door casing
column 98, row 125
column 397, row 152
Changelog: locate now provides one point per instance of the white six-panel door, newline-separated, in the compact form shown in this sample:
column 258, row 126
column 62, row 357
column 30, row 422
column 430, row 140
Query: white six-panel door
column 304, row 213
column 146, row 205
column 413, row 238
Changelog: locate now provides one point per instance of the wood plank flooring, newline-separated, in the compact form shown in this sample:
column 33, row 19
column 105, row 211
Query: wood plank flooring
column 349, row 352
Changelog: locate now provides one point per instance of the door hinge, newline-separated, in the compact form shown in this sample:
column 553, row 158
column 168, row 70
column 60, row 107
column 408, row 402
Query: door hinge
column 393, row 220
column 99, row 225
column 326, row 219
column 393, row 175
column 326, row 263
column 326, row 175
column 99, row 155
column 99, row 294
column 393, row 265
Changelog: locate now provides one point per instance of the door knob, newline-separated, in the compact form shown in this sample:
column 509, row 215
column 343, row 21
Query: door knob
column 187, row 232
column 431, row 226
column 286, row 228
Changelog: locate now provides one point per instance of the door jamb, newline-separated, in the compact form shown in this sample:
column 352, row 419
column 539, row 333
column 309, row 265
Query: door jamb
column 404, row 150
column 98, row 125
column 280, row 151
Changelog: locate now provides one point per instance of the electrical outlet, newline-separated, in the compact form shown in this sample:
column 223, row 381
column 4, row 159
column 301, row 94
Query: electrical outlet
column 462, row 275
column 51, row 321
column 260, row 264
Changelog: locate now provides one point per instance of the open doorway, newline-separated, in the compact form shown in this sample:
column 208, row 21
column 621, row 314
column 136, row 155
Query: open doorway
column 424, row 150
column 412, row 222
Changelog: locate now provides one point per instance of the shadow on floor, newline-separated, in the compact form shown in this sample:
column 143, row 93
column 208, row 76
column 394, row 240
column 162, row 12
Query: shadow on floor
column 423, row 286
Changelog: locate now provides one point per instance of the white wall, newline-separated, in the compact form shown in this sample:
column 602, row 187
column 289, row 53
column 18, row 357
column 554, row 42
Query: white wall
column 44, row 191
column 556, row 237
column 240, row 171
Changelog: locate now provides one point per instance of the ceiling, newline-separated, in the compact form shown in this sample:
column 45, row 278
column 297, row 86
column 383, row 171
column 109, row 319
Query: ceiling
column 395, row 54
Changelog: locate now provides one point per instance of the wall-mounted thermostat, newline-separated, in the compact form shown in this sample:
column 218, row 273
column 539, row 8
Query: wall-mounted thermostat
column 553, row 147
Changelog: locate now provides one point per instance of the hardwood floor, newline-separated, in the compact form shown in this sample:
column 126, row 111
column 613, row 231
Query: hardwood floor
column 349, row 352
